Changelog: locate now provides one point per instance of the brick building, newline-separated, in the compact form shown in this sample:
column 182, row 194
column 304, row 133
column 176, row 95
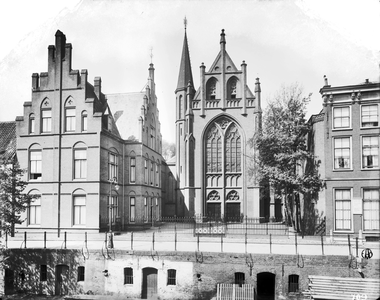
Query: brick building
column 95, row 160
column 350, row 157
column 213, row 126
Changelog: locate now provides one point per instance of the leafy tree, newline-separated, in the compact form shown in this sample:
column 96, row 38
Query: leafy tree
column 282, row 157
column 12, row 199
column 168, row 149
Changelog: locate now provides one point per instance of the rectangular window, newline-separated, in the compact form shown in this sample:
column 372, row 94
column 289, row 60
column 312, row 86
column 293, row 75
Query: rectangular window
column 112, row 166
column 80, row 164
column 132, row 177
column 35, row 165
column 342, row 153
column 370, row 152
column 35, row 212
column 70, row 119
column 114, row 208
column 343, row 209
column 293, row 283
column 81, row 273
column 370, row 115
column 128, row 276
column 132, row 212
column 371, row 209
column 79, row 210
column 46, row 120
column 341, row 117
column 157, row 210
column 151, row 173
column 172, row 277
column 239, row 278
column 43, row 272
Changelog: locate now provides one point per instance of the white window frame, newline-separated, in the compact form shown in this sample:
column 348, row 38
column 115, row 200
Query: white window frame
column 362, row 152
column 70, row 119
column 46, row 120
column 32, row 124
column 34, row 210
column 79, row 210
column 132, row 209
column 114, row 202
column 35, row 165
column 84, row 121
column 333, row 151
column 374, row 203
column 132, row 169
column 349, row 117
column 335, row 209
column 80, row 164
column 361, row 116
column 113, row 166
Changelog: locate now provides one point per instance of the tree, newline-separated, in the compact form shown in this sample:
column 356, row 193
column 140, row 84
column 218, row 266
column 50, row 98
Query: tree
column 12, row 199
column 282, row 153
column 168, row 149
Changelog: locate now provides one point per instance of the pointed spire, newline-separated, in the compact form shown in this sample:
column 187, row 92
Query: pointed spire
column 223, row 37
column 185, row 74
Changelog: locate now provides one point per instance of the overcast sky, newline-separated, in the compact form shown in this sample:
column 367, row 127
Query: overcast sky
column 282, row 42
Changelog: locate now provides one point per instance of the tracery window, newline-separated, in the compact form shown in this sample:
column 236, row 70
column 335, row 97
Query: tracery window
column 233, row 195
column 233, row 150
column 213, row 196
column 214, row 150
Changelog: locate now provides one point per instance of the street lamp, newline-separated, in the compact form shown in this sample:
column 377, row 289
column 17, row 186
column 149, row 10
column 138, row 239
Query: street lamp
column 112, row 181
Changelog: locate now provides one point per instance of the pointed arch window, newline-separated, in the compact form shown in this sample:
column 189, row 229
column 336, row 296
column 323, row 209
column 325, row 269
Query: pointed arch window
column 232, row 88
column 214, row 150
column 211, row 89
column 32, row 123
column 233, row 149
column 233, row 196
column 46, row 116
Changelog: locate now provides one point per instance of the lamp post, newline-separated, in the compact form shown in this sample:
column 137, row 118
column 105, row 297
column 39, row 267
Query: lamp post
column 112, row 181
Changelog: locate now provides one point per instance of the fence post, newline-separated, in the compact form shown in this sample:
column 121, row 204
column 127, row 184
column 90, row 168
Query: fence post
column 198, row 242
column 349, row 245
column 295, row 237
column 25, row 239
column 65, row 238
column 153, row 240
column 6, row 240
column 221, row 242
column 245, row 242
column 267, row 227
column 85, row 239
column 132, row 240
column 357, row 246
column 175, row 241
column 270, row 243
column 44, row 239
column 246, row 224
column 323, row 252
column 233, row 292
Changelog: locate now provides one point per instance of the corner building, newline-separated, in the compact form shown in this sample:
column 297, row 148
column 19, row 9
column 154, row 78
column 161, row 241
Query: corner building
column 214, row 159
column 94, row 162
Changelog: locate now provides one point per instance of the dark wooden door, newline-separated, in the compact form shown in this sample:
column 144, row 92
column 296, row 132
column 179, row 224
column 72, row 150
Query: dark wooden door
column 213, row 211
column 61, row 279
column 149, row 284
column 233, row 212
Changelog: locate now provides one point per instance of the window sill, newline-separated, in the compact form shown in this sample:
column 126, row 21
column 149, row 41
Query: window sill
column 369, row 127
column 341, row 129
column 343, row 170
column 343, row 231
column 370, row 169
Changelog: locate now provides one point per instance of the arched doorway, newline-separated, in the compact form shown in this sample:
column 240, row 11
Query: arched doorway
column 149, row 283
column 265, row 286
column 61, row 279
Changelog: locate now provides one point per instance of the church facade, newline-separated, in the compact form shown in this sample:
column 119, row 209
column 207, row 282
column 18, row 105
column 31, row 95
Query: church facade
column 214, row 126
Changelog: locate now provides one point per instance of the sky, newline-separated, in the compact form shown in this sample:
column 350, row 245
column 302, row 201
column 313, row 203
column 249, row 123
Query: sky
column 282, row 42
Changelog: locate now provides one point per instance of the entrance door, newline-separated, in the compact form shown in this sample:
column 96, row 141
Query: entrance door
column 61, row 279
column 213, row 211
column 233, row 212
column 265, row 286
column 149, row 283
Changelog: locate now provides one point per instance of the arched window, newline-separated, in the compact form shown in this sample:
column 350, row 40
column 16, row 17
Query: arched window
column 233, row 195
column 132, row 168
column 158, row 173
column 172, row 274
column 146, row 173
column 35, row 162
column 132, row 208
column 46, row 116
column 80, row 161
column 233, row 149
column 180, row 107
column 213, row 196
column 231, row 88
column 34, row 209
column 128, row 276
column 211, row 89
column 152, row 163
column 32, row 123
column 112, row 165
column 146, row 208
column 84, row 121
column 214, row 150
column 293, row 283
column 79, row 207
column 70, row 115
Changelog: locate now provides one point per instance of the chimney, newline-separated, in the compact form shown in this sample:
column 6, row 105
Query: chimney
column 60, row 43
column 83, row 78
column 35, row 81
column 326, row 81
column 51, row 58
column 68, row 51
column 98, row 87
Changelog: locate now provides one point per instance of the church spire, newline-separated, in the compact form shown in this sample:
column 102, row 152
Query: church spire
column 185, row 74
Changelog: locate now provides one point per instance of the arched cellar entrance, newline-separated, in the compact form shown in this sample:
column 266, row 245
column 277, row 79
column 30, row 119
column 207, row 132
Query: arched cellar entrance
column 149, row 283
column 265, row 286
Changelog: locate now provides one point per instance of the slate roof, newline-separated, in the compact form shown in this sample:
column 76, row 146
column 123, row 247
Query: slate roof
column 7, row 140
column 185, row 74
column 126, row 111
